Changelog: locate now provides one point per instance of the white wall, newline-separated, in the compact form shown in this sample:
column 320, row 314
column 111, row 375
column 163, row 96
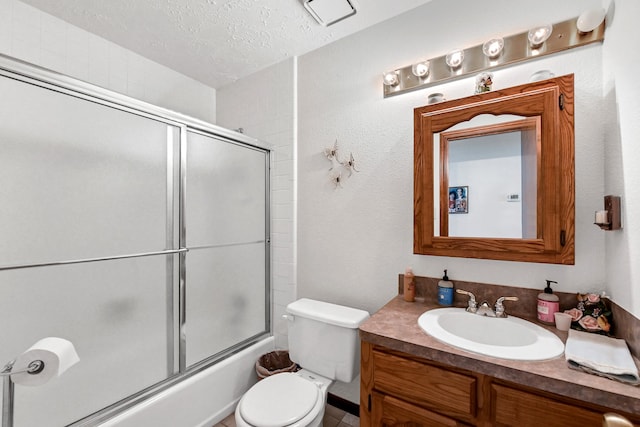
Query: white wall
column 354, row 241
column 264, row 106
column 621, row 149
column 31, row 35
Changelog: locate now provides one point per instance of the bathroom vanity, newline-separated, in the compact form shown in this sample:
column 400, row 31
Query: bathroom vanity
column 409, row 378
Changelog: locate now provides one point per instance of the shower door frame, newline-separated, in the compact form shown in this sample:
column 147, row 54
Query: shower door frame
column 177, row 370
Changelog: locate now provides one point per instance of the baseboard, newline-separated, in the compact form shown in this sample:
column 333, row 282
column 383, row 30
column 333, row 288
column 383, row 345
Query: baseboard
column 344, row 404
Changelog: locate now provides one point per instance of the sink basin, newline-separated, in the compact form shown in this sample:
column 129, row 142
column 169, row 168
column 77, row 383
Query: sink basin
column 506, row 338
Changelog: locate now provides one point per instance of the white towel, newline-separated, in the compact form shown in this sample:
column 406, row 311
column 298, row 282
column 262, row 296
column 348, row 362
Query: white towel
column 601, row 355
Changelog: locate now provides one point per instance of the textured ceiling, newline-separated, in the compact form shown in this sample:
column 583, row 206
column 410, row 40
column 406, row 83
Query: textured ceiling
column 216, row 41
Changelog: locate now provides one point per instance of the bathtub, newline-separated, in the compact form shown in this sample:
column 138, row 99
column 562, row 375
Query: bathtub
column 201, row 400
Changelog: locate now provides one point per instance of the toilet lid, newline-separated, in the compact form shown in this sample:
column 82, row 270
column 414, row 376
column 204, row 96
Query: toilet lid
column 279, row 400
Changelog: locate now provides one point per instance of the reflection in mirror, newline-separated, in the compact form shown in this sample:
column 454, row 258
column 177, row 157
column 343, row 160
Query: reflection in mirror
column 489, row 170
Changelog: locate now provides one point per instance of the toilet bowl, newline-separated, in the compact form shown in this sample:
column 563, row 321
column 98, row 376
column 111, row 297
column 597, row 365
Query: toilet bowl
column 323, row 339
column 288, row 399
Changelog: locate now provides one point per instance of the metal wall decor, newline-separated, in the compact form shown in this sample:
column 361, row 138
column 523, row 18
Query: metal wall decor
column 338, row 167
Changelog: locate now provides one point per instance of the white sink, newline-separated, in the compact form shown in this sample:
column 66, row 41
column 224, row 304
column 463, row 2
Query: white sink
column 506, row 338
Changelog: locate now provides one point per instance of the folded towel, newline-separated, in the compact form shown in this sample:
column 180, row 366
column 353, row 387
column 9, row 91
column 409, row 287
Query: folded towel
column 601, row 355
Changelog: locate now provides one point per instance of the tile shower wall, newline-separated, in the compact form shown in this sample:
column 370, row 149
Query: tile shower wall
column 264, row 107
column 28, row 34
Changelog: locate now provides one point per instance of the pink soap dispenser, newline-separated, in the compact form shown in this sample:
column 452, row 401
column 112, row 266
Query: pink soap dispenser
column 548, row 304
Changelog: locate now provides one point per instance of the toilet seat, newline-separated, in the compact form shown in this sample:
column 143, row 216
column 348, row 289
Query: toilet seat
column 280, row 400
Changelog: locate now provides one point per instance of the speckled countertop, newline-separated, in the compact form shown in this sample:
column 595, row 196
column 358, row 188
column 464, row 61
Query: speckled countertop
column 396, row 326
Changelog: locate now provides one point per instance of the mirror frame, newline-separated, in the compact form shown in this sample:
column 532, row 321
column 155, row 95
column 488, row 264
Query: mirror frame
column 552, row 103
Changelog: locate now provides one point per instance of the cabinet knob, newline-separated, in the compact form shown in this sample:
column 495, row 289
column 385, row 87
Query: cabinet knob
column 614, row 420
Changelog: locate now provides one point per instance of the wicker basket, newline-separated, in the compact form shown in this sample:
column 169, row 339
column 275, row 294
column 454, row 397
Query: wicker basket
column 273, row 363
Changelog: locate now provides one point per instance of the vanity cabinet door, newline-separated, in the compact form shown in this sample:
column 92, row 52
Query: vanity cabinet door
column 398, row 389
column 387, row 411
column 513, row 407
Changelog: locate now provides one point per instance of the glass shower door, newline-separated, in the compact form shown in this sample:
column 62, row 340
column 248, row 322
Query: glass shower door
column 226, row 234
column 141, row 241
column 86, row 188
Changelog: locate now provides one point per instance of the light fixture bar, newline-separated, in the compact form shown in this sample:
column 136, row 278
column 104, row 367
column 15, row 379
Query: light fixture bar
column 516, row 49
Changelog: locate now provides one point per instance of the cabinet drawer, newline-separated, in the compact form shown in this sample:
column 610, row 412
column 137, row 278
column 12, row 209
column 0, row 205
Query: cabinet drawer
column 513, row 407
column 388, row 411
column 425, row 385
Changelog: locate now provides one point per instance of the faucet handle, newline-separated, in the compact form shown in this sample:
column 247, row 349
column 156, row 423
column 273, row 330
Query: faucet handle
column 500, row 306
column 472, row 305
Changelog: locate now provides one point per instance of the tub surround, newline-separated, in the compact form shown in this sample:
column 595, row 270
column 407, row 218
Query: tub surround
column 395, row 327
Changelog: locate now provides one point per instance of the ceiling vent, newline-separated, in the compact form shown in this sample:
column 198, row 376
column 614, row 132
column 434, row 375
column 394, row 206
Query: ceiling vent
column 328, row 12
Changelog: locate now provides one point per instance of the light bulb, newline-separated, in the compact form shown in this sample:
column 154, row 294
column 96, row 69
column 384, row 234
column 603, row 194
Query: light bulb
column 538, row 35
column 390, row 78
column 420, row 69
column 493, row 48
column 454, row 58
column 589, row 20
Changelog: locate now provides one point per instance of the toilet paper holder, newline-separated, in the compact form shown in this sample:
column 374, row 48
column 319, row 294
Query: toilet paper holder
column 8, row 391
column 34, row 368
column 59, row 354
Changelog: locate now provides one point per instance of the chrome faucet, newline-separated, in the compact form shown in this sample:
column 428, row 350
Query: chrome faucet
column 485, row 309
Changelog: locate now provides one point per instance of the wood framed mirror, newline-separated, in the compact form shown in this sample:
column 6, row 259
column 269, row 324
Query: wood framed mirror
column 494, row 175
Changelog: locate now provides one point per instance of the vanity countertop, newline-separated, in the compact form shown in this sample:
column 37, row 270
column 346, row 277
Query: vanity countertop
column 395, row 326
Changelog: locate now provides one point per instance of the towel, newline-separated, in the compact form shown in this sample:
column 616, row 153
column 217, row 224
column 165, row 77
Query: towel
column 601, row 355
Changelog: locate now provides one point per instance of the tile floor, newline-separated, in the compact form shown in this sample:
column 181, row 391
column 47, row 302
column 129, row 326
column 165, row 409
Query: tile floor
column 333, row 417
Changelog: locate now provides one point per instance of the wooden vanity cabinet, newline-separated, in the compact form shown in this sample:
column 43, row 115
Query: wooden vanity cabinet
column 398, row 389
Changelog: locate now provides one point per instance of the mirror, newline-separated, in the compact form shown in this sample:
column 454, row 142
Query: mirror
column 498, row 154
column 494, row 175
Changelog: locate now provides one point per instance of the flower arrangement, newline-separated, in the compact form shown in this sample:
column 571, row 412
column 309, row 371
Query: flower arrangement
column 591, row 314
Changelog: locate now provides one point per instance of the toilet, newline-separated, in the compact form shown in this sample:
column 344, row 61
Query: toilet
column 323, row 341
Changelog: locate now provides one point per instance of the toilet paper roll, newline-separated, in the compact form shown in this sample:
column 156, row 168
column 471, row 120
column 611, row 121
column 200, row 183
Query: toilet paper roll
column 57, row 354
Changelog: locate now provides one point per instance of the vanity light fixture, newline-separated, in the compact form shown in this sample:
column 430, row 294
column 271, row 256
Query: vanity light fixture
column 391, row 78
column 493, row 48
column 420, row 69
column 538, row 35
column 455, row 58
column 495, row 53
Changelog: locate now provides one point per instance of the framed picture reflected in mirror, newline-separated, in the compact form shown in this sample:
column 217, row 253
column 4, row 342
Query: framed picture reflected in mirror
column 459, row 200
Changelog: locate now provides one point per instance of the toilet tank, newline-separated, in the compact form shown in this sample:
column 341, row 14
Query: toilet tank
column 323, row 338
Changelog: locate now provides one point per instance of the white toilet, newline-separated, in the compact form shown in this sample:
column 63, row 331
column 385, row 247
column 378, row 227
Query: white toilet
column 323, row 340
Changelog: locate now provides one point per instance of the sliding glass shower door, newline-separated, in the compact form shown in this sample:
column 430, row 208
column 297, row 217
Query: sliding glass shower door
column 226, row 263
column 129, row 234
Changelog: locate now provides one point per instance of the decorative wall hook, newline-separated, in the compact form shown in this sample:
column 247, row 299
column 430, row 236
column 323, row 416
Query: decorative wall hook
column 347, row 165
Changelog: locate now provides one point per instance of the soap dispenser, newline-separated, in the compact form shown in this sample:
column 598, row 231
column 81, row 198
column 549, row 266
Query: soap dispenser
column 445, row 290
column 548, row 304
